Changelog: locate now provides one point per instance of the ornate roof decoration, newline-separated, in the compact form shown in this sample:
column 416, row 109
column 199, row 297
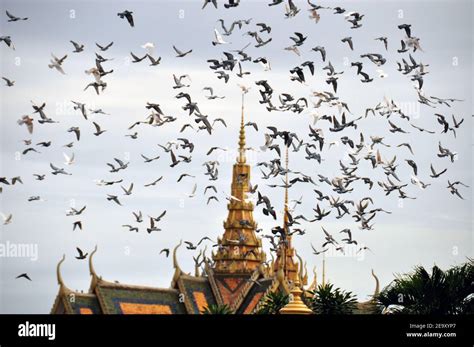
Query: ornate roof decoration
column 177, row 269
column 239, row 275
column 239, row 250
column 296, row 305
column 285, row 253
column 314, row 284
column 95, row 279
column 369, row 306
column 62, row 287
column 303, row 276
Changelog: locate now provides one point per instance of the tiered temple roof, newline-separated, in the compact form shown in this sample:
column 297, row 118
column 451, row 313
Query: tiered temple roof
column 239, row 250
column 238, row 275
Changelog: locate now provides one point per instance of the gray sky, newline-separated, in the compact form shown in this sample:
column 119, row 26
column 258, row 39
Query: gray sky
column 436, row 228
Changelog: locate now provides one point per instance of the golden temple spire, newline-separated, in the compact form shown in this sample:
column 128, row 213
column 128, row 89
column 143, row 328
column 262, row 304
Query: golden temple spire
column 286, row 252
column 239, row 250
column 286, row 210
column 241, row 159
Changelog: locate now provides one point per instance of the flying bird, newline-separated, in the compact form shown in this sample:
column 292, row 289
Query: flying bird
column 12, row 18
column 181, row 54
column 81, row 255
column 128, row 15
column 24, row 275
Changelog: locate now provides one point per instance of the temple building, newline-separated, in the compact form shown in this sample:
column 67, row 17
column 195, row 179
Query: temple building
column 237, row 275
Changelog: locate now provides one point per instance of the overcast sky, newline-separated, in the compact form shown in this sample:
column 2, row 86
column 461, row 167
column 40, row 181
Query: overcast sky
column 436, row 228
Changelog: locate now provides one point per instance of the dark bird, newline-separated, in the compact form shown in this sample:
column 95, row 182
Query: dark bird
column 349, row 42
column 366, row 77
column 77, row 224
column 106, row 47
column 407, row 29
column 384, row 40
column 166, row 251
column 81, row 254
column 181, row 54
column 152, row 226
column 264, row 27
column 24, row 275
column 128, row 15
column 9, row 83
column 130, row 228
column 184, row 175
column 214, row 2
column 98, row 130
column 12, row 18
column 149, row 160
column 298, row 39
column 212, row 198
column 154, row 182
column 136, row 59
column 8, row 41
column 157, row 219
column 321, row 50
column 113, row 198
column 77, row 47
column 404, row 47
column 413, row 166
column 435, row 174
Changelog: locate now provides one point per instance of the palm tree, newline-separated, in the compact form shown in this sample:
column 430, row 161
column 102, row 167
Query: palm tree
column 329, row 300
column 217, row 309
column 273, row 303
column 441, row 292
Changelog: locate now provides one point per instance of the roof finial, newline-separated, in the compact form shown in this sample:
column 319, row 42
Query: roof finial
column 377, row 284
column 296, row 304
column 92, row 272
column 285, row 218
column 314, row 284
column 177, row 269
column 241, row 158
column 62, row 286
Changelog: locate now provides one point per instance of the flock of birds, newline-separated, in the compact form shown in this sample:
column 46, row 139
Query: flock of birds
column 326, row 108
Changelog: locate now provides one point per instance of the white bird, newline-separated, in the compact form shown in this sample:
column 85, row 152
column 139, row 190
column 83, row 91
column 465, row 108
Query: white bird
column 264, row 62
column 244, row 89
column 416, row 181
column 94, row 72
column 57, row 170
column 69, row 160
column 219, row 39
column 193, row 193
column 56, row 63
column 231, row 197
column 316, row 117
column 6, row 219
column 149, row 47
column 382, row 73
column 178, row 83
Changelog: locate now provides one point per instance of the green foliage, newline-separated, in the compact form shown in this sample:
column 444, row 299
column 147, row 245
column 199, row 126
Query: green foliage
column 329, row 300
column 273, row 303
column 217, row 309
column 441, row 292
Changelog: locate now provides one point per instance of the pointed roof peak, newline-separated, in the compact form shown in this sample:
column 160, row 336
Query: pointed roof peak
column 286, row 209
column 241, row 158
column 62, row 286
